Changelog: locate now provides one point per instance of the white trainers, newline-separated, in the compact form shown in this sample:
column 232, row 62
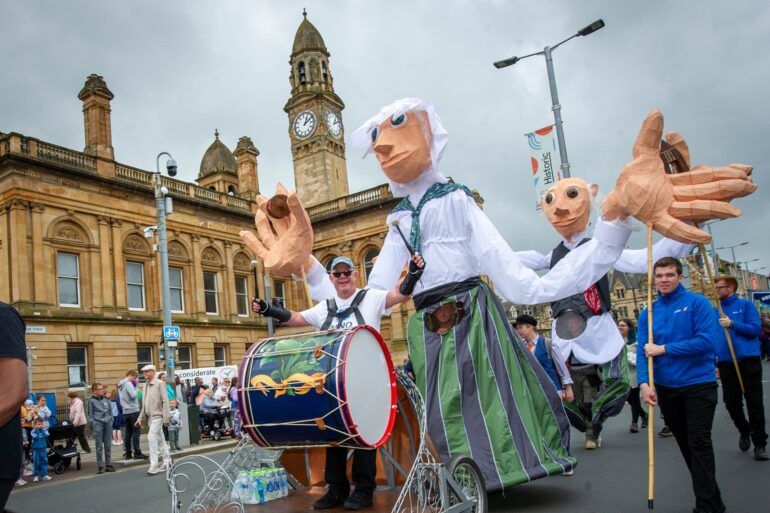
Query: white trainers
column 153, row 471
column 20, row 482
column 568, row 473
column 46, row 478
column 35, row 479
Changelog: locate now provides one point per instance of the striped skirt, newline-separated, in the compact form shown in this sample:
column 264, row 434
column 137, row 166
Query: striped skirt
column 611, row 397
column 485, row 394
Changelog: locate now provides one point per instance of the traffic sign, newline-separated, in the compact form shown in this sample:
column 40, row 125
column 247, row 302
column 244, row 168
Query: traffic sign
column 170, row 362
column 171, row 332
column 171, row 343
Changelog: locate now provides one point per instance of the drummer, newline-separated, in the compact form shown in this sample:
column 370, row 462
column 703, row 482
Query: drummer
column 350, row 307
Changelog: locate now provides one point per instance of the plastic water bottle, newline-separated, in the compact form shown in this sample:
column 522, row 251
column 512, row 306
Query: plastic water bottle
column 243, row 487
column 259, row 487
column 271, row 493
column 284, row 482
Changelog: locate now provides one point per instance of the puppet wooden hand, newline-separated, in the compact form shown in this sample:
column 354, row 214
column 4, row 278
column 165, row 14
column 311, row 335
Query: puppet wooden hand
column 285, row 234
column 645, row 191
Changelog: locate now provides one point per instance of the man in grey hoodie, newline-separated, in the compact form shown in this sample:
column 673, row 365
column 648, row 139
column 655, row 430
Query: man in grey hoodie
column 130, row 403
column 100, row 415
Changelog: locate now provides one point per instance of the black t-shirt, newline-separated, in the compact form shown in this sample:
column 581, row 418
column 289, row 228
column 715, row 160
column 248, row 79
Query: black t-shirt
column 11, row 346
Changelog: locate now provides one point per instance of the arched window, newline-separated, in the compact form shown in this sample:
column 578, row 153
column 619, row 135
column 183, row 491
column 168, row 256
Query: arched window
column 211, row 187
column 369, row 258
column 231, row 190
column 324, row 71
column 301, row 72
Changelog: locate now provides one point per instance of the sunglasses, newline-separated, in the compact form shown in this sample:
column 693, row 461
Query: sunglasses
column 346, row 273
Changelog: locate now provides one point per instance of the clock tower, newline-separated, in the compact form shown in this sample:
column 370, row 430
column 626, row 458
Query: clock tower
column 315, row 120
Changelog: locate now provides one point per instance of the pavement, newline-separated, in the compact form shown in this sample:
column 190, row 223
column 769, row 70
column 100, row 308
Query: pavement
column 612, row 479
column 88, row 460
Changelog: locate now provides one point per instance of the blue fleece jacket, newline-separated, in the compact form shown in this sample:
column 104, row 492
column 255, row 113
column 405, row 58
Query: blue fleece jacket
column 744, row 332
column 687, row 325
column 39, row 439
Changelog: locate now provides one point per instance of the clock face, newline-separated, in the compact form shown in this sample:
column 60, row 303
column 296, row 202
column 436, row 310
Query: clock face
column 304, row 124
column 334, row 123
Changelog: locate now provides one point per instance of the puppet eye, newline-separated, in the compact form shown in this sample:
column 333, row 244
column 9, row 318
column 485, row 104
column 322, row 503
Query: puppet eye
column 549, row 198
column 398, row 119
column 573, row 192
column 375, row 133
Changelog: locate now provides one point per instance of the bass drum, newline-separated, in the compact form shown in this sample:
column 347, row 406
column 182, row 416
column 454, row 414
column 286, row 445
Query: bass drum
column 331, row 388
column 307, row 465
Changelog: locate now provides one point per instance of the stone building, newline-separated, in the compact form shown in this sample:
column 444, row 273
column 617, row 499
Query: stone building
column 75, row 262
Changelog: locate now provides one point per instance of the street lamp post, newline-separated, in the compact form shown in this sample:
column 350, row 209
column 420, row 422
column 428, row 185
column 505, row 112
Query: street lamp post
column 555, row 105
column 162, row 204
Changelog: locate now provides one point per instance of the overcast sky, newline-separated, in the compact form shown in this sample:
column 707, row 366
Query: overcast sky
column 180, row 69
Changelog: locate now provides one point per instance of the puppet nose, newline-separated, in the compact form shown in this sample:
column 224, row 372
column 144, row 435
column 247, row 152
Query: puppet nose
column 382, row 148
column 561, row 211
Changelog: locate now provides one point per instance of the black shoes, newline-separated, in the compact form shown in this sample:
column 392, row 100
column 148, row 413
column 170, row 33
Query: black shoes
column 760, row 454
column 333, row 498
column 359, row 500
column 100, row 470
column 744, row 443
column 644, row 422
column 665, row 432
column 634, row 428
column 109, row 468
column 140, row 456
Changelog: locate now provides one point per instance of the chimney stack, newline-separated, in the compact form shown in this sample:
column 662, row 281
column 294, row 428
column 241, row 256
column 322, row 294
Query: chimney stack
column 96, row 113
column 246, row 165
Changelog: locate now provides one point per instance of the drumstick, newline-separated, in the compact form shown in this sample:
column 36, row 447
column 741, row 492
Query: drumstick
column 254, row 265
column 408, row 246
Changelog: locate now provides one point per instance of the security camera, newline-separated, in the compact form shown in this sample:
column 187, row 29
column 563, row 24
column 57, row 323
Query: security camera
column 149, row 232
column 171, row 167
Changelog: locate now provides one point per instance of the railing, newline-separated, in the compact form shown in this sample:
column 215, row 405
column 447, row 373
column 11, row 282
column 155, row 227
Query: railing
column 360, row 199
column 207, row 195
column 237, row 203
column 133, row 175
column 64, row 156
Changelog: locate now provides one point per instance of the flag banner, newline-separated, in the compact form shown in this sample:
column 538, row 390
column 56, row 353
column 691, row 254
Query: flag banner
column 542, row 147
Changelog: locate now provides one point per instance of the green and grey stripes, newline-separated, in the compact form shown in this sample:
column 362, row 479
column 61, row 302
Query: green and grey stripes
column 612, row 393
column 486, row 396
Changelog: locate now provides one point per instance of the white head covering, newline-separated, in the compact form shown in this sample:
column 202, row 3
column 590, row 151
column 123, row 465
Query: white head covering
column 148, row 368
column 362, row 139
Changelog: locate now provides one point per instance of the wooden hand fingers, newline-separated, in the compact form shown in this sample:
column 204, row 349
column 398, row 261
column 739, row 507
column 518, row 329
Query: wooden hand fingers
column 722, row 190
column 648, row 140
column 703, row 210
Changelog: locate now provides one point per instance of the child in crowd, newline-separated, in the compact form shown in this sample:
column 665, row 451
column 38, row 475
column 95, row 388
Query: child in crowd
column 43, row 411
column 40, row 451
column 100, row 414
column 117, row 418
column 174, row 424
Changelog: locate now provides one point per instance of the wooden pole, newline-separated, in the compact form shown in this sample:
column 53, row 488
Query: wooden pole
column 712, row 278
column 651, row 413
column 307, row 290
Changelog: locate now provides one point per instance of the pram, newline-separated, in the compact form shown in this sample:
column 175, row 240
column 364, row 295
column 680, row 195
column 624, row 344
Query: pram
column 215, row 425
column 60, row 456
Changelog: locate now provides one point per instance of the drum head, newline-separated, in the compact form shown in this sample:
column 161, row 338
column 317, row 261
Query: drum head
column 370, row 387
column 570, row 325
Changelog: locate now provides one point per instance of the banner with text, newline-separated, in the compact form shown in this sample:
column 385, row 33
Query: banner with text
column 206, row 373
column 545, row 173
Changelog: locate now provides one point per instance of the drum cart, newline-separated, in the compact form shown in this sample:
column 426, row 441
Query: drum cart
column 199, row 484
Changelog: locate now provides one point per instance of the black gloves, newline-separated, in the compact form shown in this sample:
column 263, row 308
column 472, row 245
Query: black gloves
column 268, row 310
column 411, row 279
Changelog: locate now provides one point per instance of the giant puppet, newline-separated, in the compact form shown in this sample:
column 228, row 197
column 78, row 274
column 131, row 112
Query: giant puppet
column 485, row 395
column 584, row 331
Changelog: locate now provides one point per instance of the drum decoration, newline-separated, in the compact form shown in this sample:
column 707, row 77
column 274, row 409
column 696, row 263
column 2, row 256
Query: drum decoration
column 331, row 388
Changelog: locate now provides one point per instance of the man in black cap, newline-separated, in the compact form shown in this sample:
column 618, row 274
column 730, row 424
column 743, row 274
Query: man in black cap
column 526, row 326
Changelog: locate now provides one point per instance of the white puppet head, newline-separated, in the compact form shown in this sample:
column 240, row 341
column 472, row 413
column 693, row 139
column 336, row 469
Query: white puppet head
column 408, row 139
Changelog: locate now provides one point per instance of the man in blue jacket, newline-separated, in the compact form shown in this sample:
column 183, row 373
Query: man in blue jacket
column 526, row 327
column 685, row 330
column 741, row 318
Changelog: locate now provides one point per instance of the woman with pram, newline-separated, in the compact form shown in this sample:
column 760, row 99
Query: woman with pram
column 78, row 419
column 210, row 409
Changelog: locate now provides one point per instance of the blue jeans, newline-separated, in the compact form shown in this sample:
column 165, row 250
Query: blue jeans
column 41, row 462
